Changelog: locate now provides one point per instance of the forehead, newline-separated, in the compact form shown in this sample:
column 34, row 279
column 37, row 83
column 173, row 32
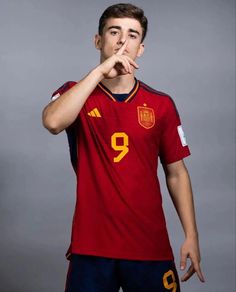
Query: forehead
column 124, row 23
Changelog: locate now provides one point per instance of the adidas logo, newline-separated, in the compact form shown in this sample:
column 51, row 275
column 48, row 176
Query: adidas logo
column 94, row 113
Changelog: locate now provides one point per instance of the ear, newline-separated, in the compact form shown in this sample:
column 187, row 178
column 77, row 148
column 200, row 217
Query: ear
column 97, row 42
column 140, row 50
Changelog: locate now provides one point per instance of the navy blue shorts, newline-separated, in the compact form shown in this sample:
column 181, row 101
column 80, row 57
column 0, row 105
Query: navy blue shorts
column 88, row 273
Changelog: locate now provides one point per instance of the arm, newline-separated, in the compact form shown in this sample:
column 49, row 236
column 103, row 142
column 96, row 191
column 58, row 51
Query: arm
column 62, row 112
column 179, row 187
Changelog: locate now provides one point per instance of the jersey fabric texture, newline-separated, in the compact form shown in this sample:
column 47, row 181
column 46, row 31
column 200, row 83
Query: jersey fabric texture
column 114, row 149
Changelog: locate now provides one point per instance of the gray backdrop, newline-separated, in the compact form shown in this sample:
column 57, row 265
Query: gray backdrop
column 190, row 54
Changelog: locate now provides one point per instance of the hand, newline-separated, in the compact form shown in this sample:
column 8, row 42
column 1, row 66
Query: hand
column 190, row 249
column 118, row 64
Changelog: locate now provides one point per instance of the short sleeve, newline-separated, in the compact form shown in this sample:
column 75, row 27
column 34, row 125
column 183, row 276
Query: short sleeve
column 173, row 144
column 71, row 130
column 66, row 86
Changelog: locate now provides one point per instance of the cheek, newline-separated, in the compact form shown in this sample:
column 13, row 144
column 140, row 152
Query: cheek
column 106, row 49
column 107, row 45
column 135, row 51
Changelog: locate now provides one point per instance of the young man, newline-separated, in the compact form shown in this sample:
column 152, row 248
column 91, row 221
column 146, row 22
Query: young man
column 117, row 126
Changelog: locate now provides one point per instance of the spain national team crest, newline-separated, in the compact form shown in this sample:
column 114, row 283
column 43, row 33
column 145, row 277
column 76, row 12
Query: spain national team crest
column 146, row 117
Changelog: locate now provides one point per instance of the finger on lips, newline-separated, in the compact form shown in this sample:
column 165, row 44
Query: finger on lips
column 130, row 62
column 122, row 48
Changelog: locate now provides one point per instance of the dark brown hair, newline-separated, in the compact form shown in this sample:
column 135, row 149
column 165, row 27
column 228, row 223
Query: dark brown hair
column 123, row 10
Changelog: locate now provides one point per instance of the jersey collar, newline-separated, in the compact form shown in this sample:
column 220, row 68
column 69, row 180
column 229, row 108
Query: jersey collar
column 130, row 96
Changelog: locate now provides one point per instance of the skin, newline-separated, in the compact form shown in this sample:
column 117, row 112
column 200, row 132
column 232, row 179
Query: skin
column 120, row 45
column 179, row 186
column 116, row 71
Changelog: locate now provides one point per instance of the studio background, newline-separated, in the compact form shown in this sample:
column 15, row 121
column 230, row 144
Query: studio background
column 190, row 54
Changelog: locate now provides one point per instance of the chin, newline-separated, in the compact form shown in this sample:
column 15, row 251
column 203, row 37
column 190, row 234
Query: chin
column 104, row 57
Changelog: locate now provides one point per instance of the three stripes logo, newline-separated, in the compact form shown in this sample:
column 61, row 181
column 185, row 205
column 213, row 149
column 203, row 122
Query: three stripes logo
column 94, row 113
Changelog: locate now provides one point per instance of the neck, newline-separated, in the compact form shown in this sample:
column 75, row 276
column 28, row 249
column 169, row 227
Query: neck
column 120, row 84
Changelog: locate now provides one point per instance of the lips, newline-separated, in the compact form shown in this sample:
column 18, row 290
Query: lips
column 125, row 51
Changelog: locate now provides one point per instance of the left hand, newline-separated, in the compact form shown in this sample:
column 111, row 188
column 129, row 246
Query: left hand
column 190, row 249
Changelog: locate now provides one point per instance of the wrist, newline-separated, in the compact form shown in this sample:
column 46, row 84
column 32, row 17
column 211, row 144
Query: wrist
column 97, row 72
column 191, row 234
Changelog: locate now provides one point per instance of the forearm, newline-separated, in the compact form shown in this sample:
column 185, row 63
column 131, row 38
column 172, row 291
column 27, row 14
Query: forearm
column 179, row 186
column 62, row 112
column 180, row 190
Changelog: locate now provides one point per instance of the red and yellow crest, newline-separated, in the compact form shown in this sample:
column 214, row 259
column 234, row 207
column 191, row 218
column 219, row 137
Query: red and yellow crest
column 146, row 117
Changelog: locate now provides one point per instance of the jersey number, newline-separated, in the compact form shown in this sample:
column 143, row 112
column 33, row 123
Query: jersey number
column 172, row 285
column 121, row 147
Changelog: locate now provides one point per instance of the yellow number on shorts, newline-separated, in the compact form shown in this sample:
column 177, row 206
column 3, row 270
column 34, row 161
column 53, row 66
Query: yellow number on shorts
column 122, row 147
column 172, row 285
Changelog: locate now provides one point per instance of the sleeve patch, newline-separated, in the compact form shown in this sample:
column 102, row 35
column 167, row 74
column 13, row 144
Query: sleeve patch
column 55, row 96
column 182, row 136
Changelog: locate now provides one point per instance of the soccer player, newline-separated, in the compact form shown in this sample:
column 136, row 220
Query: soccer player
column 117, row 127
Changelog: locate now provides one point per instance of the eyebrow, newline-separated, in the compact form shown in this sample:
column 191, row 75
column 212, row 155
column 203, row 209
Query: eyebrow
column 119, row 27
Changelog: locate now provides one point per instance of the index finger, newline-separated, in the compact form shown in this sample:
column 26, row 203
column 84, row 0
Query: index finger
column 122, row 48
column 199, row 273
column 197, row 269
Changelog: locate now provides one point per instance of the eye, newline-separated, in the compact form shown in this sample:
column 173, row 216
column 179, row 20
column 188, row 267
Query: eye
column 133, row 36
column 114, row 32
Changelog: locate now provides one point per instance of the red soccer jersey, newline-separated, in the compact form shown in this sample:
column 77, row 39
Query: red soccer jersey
column 114, row 151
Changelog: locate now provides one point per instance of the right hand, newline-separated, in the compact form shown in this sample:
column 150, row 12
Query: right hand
column 118, row 64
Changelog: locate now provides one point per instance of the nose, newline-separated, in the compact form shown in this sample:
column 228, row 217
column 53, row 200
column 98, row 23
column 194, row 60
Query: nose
column 122, row 39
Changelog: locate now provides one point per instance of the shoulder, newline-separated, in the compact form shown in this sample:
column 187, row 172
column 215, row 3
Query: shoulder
column 64, row 87
column 165, row 99
column 150, row 89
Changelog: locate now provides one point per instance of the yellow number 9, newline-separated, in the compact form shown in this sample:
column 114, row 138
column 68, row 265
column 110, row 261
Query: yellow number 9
column 123, row 147
column 170, row 286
